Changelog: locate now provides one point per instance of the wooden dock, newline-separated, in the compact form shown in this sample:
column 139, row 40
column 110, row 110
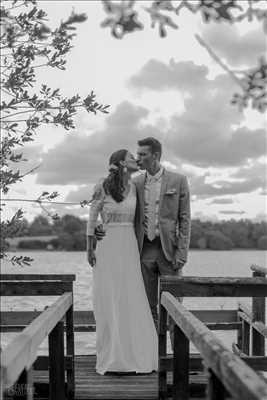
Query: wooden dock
column 92, row 386
column 215, row 373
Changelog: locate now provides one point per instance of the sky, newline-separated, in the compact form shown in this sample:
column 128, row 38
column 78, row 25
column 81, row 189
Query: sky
column 169, row 88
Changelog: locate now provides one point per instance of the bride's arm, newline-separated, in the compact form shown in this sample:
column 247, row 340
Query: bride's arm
column 91, row 250
column 95, row 208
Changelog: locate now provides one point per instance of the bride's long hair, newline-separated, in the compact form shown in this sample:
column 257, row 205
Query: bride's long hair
column 113, row 183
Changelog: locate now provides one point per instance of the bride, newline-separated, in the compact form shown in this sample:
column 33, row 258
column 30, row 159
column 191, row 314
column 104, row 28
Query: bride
column 126, row 337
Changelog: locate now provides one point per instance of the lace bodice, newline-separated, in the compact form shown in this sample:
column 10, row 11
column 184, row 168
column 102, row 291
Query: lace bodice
column 109, row 211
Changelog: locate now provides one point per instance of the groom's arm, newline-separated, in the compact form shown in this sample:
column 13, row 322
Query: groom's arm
column 184, row 223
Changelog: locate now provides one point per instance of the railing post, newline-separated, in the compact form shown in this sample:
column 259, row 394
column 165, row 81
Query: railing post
column 162, row 375
column 70, row 352
column 180, row 365
column 215, row 388
column 19, row 389
column 56, row 363
column 245, row 338
column 239, row 332
column 30, row 385
column 258, row 314
column 23, row 388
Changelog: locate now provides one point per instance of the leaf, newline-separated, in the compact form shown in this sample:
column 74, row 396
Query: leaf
column 32, row 12
column 107, row 22
column 162, row 31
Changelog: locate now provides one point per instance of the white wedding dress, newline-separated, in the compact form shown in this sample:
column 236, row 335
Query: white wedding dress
column 126, row 337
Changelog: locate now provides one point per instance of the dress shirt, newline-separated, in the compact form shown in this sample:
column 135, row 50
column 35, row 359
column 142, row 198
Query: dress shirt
column 152, row 198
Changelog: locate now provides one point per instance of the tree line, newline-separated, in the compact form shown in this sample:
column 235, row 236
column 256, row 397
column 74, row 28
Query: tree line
column 70, row 232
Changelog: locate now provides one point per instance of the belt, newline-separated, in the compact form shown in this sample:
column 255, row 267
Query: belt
column 155, row 240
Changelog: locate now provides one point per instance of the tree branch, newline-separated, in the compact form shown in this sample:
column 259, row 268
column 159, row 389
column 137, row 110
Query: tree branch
column 13, row 8
column 6, row 92
column 12, row 115
column 41, row 201
column 30, row 171
column 219, row 61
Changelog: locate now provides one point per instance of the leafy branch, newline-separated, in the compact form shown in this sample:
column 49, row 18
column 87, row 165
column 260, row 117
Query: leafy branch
column 123, row 18
column 27, row 43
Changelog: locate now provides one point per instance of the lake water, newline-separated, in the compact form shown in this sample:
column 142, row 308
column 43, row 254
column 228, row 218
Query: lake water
column 201, row 263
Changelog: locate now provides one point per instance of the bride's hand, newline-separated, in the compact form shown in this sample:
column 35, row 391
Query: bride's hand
column 99, row 232
column 91, row 257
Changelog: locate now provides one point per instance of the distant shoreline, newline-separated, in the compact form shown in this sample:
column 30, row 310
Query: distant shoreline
column 83, row 251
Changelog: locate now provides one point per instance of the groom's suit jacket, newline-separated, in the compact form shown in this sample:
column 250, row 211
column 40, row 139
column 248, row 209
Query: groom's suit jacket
column 174, row 214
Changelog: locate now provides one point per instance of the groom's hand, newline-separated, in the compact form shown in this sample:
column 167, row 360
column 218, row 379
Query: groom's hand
column 91, row 257
column 177, row 265
column 100, row 232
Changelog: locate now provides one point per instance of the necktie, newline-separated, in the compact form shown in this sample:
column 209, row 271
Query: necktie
column 151, row 215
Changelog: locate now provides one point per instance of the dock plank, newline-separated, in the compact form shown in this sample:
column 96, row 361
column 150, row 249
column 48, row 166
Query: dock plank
column 91, row 386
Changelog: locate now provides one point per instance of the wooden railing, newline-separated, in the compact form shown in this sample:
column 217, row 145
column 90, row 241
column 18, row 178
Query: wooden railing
column 15, row 321
column 228, row 372
column 20, row 354
column 253, row 322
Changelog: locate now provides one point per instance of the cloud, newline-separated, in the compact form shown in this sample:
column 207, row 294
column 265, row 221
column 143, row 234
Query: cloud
column 211, row 145
column 81, row 159
column 232, row 212
column 61, row 210
column 32, row 156
column 262, row 216
column 250, row 178
column 255, row 170
column 225, row 188
column 82, row 193
column 237, row 49
column 207, row 134
column 204, row 134
column 205, row 217
column 222, row 201
column 22, row 191
column 155, row 75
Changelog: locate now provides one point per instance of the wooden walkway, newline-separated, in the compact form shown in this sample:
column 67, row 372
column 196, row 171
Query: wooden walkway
column 91, row 386
column 215, row 372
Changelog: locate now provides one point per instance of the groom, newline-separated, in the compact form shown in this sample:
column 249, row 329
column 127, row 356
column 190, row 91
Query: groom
column 162, row 221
